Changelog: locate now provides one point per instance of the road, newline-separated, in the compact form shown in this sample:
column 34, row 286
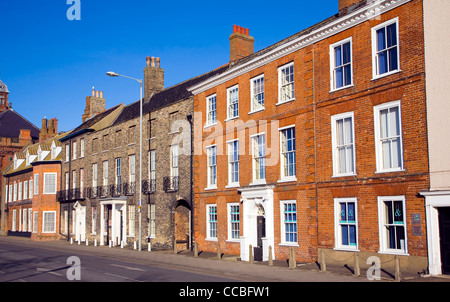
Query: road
column 22, row 263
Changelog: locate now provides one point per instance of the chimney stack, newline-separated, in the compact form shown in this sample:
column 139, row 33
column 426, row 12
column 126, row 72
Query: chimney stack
column 241, row 43
column 94, row 104
column 153, row 77
column 345, row 4
column 48, row 130
column 25, row 136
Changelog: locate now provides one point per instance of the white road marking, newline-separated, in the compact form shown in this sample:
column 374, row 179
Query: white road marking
column 122, row 277
column 129, row 268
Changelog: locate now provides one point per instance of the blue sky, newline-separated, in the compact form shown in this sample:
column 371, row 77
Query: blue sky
column 50, row 64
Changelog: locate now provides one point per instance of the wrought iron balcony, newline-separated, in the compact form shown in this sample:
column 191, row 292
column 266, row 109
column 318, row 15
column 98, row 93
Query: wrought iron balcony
column 148, row 186
column 115, row 190
column 170, row 183
column 71, row 195
column 129, row 188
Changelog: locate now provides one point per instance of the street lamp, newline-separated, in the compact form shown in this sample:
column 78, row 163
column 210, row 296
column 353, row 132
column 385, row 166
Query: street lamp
column 114, row 74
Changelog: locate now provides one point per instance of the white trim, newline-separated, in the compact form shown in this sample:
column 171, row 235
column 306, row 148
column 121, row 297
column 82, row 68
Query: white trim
column 359, row 16
column 333, row 64
column 287, row 178
column 229, row 230
column 43, row 222
column 209, row 185
column 378, row 148
column 335, row 156
column 375, row 74
column 337, row 229
column 207, row 123
column 283, row 241
column 56, row 183
column 232, row 184
column 252, row 95
column 280, row 69
column 256, row 181
column 229, row 89
column 383, row 249
column 208, row 227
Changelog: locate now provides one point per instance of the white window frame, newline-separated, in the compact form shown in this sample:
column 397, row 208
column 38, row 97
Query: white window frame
column 82, row 147
column 333, row 65
column 256, row 176
column 67, row 152
column 152, row 220
column 19, row 197
column 209, row 113
column 131, row 220
column 30, row 188
column 24, row 220
column 230, row 148
column 375, row 67
column 209, row 167
column 132, row 168
column 382, row 216
column 283, row 162
column 334, row 144
column 253, row 96
column 74, row 150
column 231, row 223
column 94, row 179
column 14, row 221
column 25, row 190
column 45, row 224
column 35, row 221
column 30, row 219
column 45, row 191
column 152, row 170
column 230, row 106
column 15, row 192
column 118, row 172
column 280, row 85
column 283, row 240
column 36, row 184
column 94, row 213
column 210, row 223
column 378, row 143
column 10, row 193
column 337, row 224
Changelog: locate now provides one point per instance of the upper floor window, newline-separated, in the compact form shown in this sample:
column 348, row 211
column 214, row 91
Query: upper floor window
column 233, row 101
column 74, row 150
column 257, row 93
column 288, row 153
column 132, row 168
column 49, row 183
column 211, row 110
column 286, row 83
column 388, row 135
column 212, row 166
column 341, row 64
column 233, row 163
column 385, row 46
column 343, row 144
column 259, row 158
column 82, row 147
column 118, row 174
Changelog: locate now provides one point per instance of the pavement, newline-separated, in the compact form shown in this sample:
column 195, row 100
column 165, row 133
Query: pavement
column 228, row 266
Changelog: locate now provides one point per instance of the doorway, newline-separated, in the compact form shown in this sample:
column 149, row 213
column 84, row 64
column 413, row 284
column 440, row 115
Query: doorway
column 80, row 222
column 260, row 234
column 444, row 232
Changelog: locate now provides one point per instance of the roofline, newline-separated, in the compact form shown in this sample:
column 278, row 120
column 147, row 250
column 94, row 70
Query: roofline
column 343, row 22
column 67, row 137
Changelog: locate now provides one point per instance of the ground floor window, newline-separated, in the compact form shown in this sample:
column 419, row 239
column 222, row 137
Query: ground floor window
column 345, row 223
column 49, row 222
column 211, row 221
column 392, row 224
column 233, row 221
column 289, row 222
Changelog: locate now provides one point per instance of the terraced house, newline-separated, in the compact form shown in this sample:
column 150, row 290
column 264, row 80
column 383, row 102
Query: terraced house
column 100, row 170
column 31, row 183
column 318, row 144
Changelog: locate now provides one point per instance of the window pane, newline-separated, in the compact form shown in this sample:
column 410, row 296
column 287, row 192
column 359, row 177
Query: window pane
column 344, row 229
column 347, row 75
column 338, row 55
column 391, row 35
column 381, row 39
column 351, row 212
column 352, row 234
column 382, row 62
column 339, row 77
column 393, row 59
column 346, row 53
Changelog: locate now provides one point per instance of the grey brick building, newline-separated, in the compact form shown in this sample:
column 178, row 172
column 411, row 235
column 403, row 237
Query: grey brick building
column 100, row 171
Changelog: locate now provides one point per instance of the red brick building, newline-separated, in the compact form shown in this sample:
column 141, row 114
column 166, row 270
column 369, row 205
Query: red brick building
column 32, row 181
column 318, row 143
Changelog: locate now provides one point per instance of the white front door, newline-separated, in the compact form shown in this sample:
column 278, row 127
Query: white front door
column 80, row 223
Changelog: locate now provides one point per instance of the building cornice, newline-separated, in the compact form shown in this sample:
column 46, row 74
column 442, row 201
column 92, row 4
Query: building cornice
column 345, row 22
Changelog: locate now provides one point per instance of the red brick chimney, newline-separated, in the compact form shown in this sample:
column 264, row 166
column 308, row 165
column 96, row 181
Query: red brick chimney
column 49, row 129
column 343, row 4
column 241, row 44
column 25, row 136
column 153, row 77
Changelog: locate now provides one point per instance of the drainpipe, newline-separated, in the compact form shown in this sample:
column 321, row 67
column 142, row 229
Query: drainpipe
column 189, row 118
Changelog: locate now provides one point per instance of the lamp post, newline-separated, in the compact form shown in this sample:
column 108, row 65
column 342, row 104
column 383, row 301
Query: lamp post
column 114, row 74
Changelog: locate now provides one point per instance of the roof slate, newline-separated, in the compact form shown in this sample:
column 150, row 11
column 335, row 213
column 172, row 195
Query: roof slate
column 11, row 122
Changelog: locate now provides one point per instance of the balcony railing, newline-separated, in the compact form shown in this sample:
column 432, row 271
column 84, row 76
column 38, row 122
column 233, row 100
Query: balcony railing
column 129, row 188
column 71, row 195
column 170, row 183
column 148, row 186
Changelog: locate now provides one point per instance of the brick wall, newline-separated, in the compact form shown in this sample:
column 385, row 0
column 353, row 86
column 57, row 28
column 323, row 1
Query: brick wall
column 311, row 111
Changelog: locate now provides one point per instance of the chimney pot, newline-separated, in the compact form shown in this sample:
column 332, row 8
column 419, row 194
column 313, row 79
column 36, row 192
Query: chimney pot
column 234, row 28
column 148, row 61
column 101, row 94
column 157, row 62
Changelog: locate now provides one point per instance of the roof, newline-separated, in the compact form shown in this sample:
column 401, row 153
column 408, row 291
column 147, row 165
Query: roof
column 94, row 123
column 166, row 97
column 350, row 16
column 11, row 123
column 32, row 151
